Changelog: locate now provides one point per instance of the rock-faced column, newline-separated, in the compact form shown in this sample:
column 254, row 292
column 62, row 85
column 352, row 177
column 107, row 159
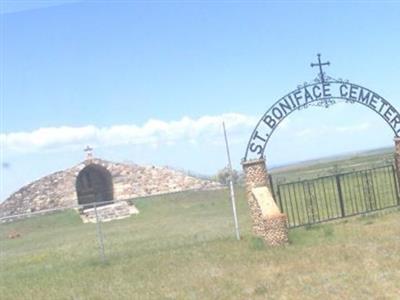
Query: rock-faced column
column 271, row 227
column 397, row 156
column 256, row 175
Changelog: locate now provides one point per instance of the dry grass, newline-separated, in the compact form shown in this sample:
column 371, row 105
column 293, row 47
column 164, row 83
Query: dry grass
column 182, row 247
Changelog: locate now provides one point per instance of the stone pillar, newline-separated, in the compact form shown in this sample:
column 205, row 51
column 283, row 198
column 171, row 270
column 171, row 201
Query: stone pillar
column 276, row 230
column 255, row 176
column 256, row 173
column 272, row 229
column 397, row 156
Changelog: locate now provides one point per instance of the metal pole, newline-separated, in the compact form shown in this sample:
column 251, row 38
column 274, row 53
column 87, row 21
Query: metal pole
column 231, row 186
column 99, row 234
column 340, row 194
column 394, row 173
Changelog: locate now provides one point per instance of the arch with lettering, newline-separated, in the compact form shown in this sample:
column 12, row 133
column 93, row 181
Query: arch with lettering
column 322, row 93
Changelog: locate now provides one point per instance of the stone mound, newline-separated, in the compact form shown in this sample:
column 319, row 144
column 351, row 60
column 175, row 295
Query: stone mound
column 129, row 181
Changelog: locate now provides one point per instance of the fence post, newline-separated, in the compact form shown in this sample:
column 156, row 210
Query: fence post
column 397, row 160
column 396, row 188
column 271, row 185
column 99, row 234
column 280, row 199
column 235, row 218
column 340, row 194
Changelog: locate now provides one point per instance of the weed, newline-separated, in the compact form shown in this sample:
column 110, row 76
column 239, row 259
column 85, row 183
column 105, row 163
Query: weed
column 257, row 243
column 261, row 289
column 328, row 230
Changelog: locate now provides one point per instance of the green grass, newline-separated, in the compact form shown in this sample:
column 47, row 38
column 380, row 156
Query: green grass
column 182, row 246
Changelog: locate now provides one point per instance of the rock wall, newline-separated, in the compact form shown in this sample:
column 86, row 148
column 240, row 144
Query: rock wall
column 256, row 176
column 129, row 181
column 106, row 213
column 276, row 230
column 397, row 157
column 272, row 228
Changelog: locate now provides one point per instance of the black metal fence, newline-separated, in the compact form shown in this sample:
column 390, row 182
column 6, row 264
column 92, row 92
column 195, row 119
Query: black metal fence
column 337, row 196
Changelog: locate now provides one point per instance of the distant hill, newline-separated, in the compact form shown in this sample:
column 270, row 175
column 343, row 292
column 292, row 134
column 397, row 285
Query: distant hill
column 341, row 163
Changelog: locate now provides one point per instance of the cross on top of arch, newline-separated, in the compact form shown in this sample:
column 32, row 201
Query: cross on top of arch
column 320, row 64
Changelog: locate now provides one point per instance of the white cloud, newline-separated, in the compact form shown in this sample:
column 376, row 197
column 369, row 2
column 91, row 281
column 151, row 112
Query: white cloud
column 157, row 133
column 153, row 133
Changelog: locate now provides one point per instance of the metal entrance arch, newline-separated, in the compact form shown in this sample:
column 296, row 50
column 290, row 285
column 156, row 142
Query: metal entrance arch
column 322, row 93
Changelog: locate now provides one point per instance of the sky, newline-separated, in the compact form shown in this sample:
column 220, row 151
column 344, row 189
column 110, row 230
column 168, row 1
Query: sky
column 150, row 82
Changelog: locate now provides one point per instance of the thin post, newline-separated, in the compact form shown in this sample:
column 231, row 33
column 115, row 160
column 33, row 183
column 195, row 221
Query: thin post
column 99, row 234
column 394, row 173
column 235, row 219
column 271, row 185
column 279, row 198
column 340, row 194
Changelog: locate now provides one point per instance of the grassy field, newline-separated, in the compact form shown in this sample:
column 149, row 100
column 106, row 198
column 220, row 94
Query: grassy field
column 182, row 246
